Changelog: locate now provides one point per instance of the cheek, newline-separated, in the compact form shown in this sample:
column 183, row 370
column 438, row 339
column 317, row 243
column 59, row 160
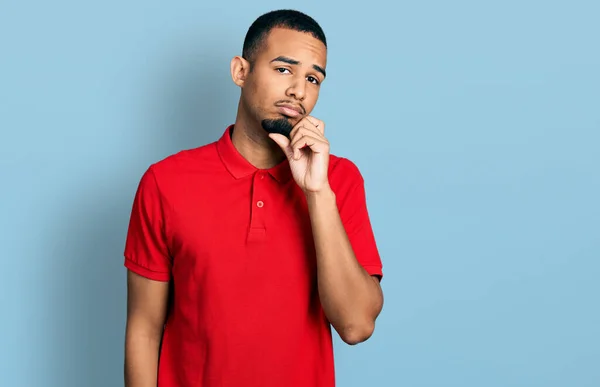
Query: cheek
column 311, row 101
column 275, row 85
column 255, row 92
column 269, row 91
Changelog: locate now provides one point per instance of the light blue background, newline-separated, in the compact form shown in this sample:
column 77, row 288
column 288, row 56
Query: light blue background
column 475, row 124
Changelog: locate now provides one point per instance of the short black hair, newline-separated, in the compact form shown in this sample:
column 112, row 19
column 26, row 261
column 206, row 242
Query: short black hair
column 283, row 18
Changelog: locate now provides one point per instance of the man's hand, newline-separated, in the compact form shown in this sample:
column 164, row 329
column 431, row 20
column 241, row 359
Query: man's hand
column 307, row 150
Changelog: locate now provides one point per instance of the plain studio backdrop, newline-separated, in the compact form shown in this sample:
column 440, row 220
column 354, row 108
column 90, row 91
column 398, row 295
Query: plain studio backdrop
column 475, row 124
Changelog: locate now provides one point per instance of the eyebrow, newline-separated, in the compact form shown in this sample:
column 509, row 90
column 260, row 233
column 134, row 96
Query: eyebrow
column 291, row 61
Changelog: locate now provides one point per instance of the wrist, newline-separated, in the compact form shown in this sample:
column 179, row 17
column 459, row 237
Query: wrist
column 324, row 195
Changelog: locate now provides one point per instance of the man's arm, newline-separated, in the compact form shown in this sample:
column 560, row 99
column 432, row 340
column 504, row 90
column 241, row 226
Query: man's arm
column 146, row 312
column 351, row 298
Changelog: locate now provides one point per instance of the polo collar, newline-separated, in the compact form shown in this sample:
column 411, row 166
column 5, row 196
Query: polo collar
column 239, row 167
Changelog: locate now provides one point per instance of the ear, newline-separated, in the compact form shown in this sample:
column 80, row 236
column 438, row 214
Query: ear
column 240, row 68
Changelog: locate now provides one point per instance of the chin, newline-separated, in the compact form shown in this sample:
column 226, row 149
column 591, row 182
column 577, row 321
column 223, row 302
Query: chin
column 281, row 125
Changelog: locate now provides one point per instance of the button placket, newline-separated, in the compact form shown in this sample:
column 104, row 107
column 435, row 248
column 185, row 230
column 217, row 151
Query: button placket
column 258, row 204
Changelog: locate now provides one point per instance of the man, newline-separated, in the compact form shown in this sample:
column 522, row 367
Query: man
column 242, row 253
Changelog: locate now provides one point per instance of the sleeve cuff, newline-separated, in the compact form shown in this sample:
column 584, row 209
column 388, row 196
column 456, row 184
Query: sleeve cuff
column 145, row 272
column 374, row 270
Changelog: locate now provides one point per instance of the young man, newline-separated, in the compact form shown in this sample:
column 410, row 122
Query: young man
column 241, row 254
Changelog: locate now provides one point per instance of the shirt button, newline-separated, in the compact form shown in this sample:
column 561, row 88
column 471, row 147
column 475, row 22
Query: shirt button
column 260, row 203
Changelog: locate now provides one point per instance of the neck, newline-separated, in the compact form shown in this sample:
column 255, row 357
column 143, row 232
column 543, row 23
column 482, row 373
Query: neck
column 253, row 142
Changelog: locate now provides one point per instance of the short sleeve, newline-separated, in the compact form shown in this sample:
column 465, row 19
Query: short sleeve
column 146, row 251
column 352, row 204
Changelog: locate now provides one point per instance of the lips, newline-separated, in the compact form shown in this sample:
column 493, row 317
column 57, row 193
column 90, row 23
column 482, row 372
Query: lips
column 290, row 110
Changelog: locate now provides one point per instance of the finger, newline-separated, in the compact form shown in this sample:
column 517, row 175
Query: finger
column 303, row 131
column 306, row 128
column 314, row 125
column 307, row 141
column 318, row 124
column 309, row 123
column 283, row 142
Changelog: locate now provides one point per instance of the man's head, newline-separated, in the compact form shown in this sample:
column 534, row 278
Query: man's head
column 281, row 69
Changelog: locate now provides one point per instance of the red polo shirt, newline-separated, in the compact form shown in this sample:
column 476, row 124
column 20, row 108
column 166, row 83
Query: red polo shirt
column 236, row 243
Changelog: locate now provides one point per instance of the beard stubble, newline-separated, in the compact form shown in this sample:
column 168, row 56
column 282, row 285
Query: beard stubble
column 278, row 125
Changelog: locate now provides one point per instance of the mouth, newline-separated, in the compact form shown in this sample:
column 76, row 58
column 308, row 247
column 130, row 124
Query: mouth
column 290, row 110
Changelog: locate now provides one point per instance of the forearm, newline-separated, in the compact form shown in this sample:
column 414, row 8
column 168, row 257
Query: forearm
column 141, row 359
column 351, row 298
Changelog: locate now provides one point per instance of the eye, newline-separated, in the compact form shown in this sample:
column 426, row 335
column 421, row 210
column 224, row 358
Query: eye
column 313, row 80
column 282, row 69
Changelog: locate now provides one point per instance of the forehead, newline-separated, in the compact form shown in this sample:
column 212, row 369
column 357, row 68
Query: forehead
column 297, row 45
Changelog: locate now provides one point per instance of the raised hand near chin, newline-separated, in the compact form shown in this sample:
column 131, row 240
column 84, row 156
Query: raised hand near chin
column 307, row 151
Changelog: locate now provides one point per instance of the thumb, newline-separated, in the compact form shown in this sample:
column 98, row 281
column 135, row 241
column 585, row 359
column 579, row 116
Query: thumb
column 283, row 142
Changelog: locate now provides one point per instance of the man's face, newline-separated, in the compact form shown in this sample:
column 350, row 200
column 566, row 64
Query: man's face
column 283, row 86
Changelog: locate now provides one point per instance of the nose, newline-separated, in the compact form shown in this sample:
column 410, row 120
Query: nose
column 297, row 89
